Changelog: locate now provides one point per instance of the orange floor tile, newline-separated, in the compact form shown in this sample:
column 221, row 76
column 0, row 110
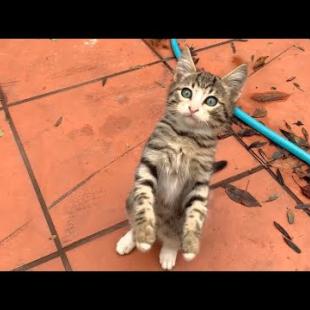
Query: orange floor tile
column 83, row 110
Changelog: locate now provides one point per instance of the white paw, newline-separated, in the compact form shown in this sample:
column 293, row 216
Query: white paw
column 189, row 256
column 143, row 247
column 126, row 244
column 167, row 258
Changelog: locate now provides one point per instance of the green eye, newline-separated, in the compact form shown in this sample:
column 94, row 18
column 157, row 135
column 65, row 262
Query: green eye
column 186, row 93
column 211, row 101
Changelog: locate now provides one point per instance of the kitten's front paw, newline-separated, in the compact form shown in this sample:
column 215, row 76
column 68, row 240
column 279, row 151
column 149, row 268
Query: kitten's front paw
column 190, row 246
column 145, row 236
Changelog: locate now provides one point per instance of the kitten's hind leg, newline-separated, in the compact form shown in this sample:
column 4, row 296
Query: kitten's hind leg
column 168, row 255
column 126, row 244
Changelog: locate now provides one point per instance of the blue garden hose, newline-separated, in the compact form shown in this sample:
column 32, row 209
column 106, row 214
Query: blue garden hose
column 250, row 121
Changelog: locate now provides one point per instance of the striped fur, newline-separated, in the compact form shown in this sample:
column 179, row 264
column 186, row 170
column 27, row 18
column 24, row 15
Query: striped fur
column 170, row 193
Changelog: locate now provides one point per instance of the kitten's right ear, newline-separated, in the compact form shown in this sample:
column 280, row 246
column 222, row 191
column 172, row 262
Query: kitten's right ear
column 185, row 65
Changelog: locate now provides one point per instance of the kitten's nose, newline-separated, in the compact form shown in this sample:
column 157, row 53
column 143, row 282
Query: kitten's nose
column 192, row 111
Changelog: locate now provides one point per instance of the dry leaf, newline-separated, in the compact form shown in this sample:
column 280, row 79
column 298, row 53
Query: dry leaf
column 278, row 155
column 282, row 230
column 298, row 123
column 219, row 165
column 302, row 206
column 272, row 198
column 269, row 96
column 256, row 144
column 291, row 78
column 287, row 126
column 290, row 216
column 279, row 176
column 260, row 112
column 305, row 133
column 260, row 62
column 292, row 245
column 247, row 132
column 297, row 86
column 241, row 196
column 232, row 45
column 295, row 139
column 58, row 122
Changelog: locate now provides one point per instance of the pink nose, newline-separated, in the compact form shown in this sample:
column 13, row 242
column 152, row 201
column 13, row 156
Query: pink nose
column 192, row 111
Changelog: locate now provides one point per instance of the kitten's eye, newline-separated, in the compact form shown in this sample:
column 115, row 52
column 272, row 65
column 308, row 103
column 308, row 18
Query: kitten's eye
column 186, row 93
column 211, row 101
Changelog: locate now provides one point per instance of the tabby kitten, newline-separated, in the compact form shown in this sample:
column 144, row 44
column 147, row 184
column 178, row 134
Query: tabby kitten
column 170, row 193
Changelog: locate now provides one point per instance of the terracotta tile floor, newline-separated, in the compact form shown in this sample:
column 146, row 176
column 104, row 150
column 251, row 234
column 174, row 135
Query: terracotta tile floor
column 74, row 121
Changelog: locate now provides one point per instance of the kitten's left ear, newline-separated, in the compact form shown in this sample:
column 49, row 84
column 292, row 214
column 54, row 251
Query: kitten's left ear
column 235, row 81
column 185, row 65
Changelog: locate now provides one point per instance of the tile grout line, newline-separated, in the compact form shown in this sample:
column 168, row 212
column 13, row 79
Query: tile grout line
column 124, row 223
column 34, row 182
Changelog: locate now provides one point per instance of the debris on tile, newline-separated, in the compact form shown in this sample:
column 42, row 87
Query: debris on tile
column 233, row 47
column 273, row 88
column 305, row 133
column 219, row 165
column 1, row 133
column 287, row 126
column 256, row 144
column 272, row 198
column 279, row 154
column 282, row 230
column 291, row 78
column 252, row 58
column 247, row 132
column 292, row 245
column 295, row 139
column 104, row 81
column 259, row 113
column 260, row 62
column 279, row 176
column 290, row 216
column 58, row 122
column 305, row 190
column 302, row 206
column 298, row 123
column 297, row 86
column 269, row 96
column 300, row 48
column 241, row 196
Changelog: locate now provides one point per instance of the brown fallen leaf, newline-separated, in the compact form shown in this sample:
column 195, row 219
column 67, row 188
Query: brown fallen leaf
column 269, row 96
column 305, row 133
column 292, row 245
column 291, row 78
column 260, row 62
column 300, row 48
column 232, row 45
column 278, row 155
column 279, row 176
column 302, row 206
column 290, row 216
column 256, row 144
column 259, row 112
column 247, row 132
column 219, row 165
column 58, row 122
column 271, row 198
column 304, row 189
column 297, row 86
column 287, row 126
column 282, row 230
column 241, row 196
column 298, row 123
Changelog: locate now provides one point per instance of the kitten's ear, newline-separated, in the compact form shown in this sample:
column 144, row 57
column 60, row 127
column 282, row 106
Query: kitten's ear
column 235, row 80
column 185, row 65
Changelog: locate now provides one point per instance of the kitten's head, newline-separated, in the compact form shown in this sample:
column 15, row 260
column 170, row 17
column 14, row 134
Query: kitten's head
column 199, row 97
